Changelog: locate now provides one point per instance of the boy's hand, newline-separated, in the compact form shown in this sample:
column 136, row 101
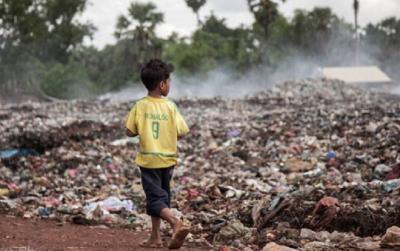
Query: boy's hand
column 129, row 133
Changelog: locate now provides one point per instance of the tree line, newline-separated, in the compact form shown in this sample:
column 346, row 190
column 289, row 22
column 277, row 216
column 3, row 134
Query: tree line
column 42, row 49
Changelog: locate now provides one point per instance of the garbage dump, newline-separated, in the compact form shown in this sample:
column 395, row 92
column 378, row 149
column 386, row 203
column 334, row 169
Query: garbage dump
column 311, row 164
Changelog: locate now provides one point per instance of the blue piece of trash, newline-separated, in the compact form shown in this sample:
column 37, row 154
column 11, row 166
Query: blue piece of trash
column 233, row 133
column 44, row 211
column 16, row 153
column 330, row 155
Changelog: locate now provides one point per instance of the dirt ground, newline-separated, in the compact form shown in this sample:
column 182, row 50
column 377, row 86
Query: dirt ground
column 17, row 234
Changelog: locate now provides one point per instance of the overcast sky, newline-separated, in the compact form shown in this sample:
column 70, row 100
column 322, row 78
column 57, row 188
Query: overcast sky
column 179, row 18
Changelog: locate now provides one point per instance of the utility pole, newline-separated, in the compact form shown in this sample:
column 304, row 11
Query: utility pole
column 356, row 7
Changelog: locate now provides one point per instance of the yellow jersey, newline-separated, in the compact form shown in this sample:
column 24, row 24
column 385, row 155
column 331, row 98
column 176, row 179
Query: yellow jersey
column 158, row 123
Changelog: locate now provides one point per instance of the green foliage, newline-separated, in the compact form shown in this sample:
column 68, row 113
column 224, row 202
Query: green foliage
column 137, row 42
column 383, row 40
column 67, row 81
column 116, row 65
column 41, row 44
column 318, row 32
column 47, row 29
column 265, row 13
column 41, row 32
column 196, row 5
column 214, row 45
column 143, row 17
column 65, row 33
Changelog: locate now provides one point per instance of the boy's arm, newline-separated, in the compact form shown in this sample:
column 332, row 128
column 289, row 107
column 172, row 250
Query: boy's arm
column 182, row 127
column 130, row 134
column 185, row 135
column 131, row 128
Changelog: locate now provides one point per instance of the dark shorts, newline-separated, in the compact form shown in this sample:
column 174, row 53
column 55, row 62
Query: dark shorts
column 156, row 186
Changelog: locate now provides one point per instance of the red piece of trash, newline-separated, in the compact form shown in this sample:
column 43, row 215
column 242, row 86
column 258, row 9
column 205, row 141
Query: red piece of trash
column 192, row 193
column 394, row 173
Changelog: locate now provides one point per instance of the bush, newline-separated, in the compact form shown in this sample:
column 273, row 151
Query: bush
column 67, row 82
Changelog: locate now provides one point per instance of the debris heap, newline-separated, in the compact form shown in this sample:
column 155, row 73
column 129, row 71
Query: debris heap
column 308, row 165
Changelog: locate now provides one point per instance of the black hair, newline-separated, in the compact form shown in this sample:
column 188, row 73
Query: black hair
column 155, row 71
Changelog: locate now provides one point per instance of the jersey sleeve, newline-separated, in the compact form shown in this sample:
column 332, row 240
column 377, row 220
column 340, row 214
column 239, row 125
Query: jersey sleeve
column 131, row 122
column 181, row 125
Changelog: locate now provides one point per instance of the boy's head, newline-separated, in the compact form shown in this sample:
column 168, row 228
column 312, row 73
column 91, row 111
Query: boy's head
column 155, row 75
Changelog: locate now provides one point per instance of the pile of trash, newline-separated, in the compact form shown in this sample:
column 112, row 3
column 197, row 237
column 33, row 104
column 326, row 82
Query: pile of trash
column 309, row 165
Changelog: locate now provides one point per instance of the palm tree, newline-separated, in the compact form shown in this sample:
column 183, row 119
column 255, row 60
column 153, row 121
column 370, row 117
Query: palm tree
column 145, row 17
column 356, row 8
column 265, row 12
column 137, row 30
column 196, row 5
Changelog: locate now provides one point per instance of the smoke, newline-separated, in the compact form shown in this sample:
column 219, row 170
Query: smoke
column 223, row 82
column 219, row 82
column 396, row 90
column 339, row 50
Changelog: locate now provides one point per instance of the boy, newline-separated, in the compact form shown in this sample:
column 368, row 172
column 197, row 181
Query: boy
column 158, row 123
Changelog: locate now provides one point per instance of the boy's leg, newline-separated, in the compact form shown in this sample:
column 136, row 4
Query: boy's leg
column 154, row 241
column 180, row 231
column 166, row 213
column 155, row 229
column 156, row 186
column 156, row 196
column 151, row 182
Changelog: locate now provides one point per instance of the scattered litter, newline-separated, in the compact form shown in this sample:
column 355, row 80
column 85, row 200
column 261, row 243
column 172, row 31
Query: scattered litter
column 307, row 165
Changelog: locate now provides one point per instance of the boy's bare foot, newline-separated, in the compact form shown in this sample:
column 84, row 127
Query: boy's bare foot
column 178, row 225
column 178, row 238
column 152, row 243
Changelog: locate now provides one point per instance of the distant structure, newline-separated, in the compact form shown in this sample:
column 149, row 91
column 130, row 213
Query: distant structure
column 365, row 75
